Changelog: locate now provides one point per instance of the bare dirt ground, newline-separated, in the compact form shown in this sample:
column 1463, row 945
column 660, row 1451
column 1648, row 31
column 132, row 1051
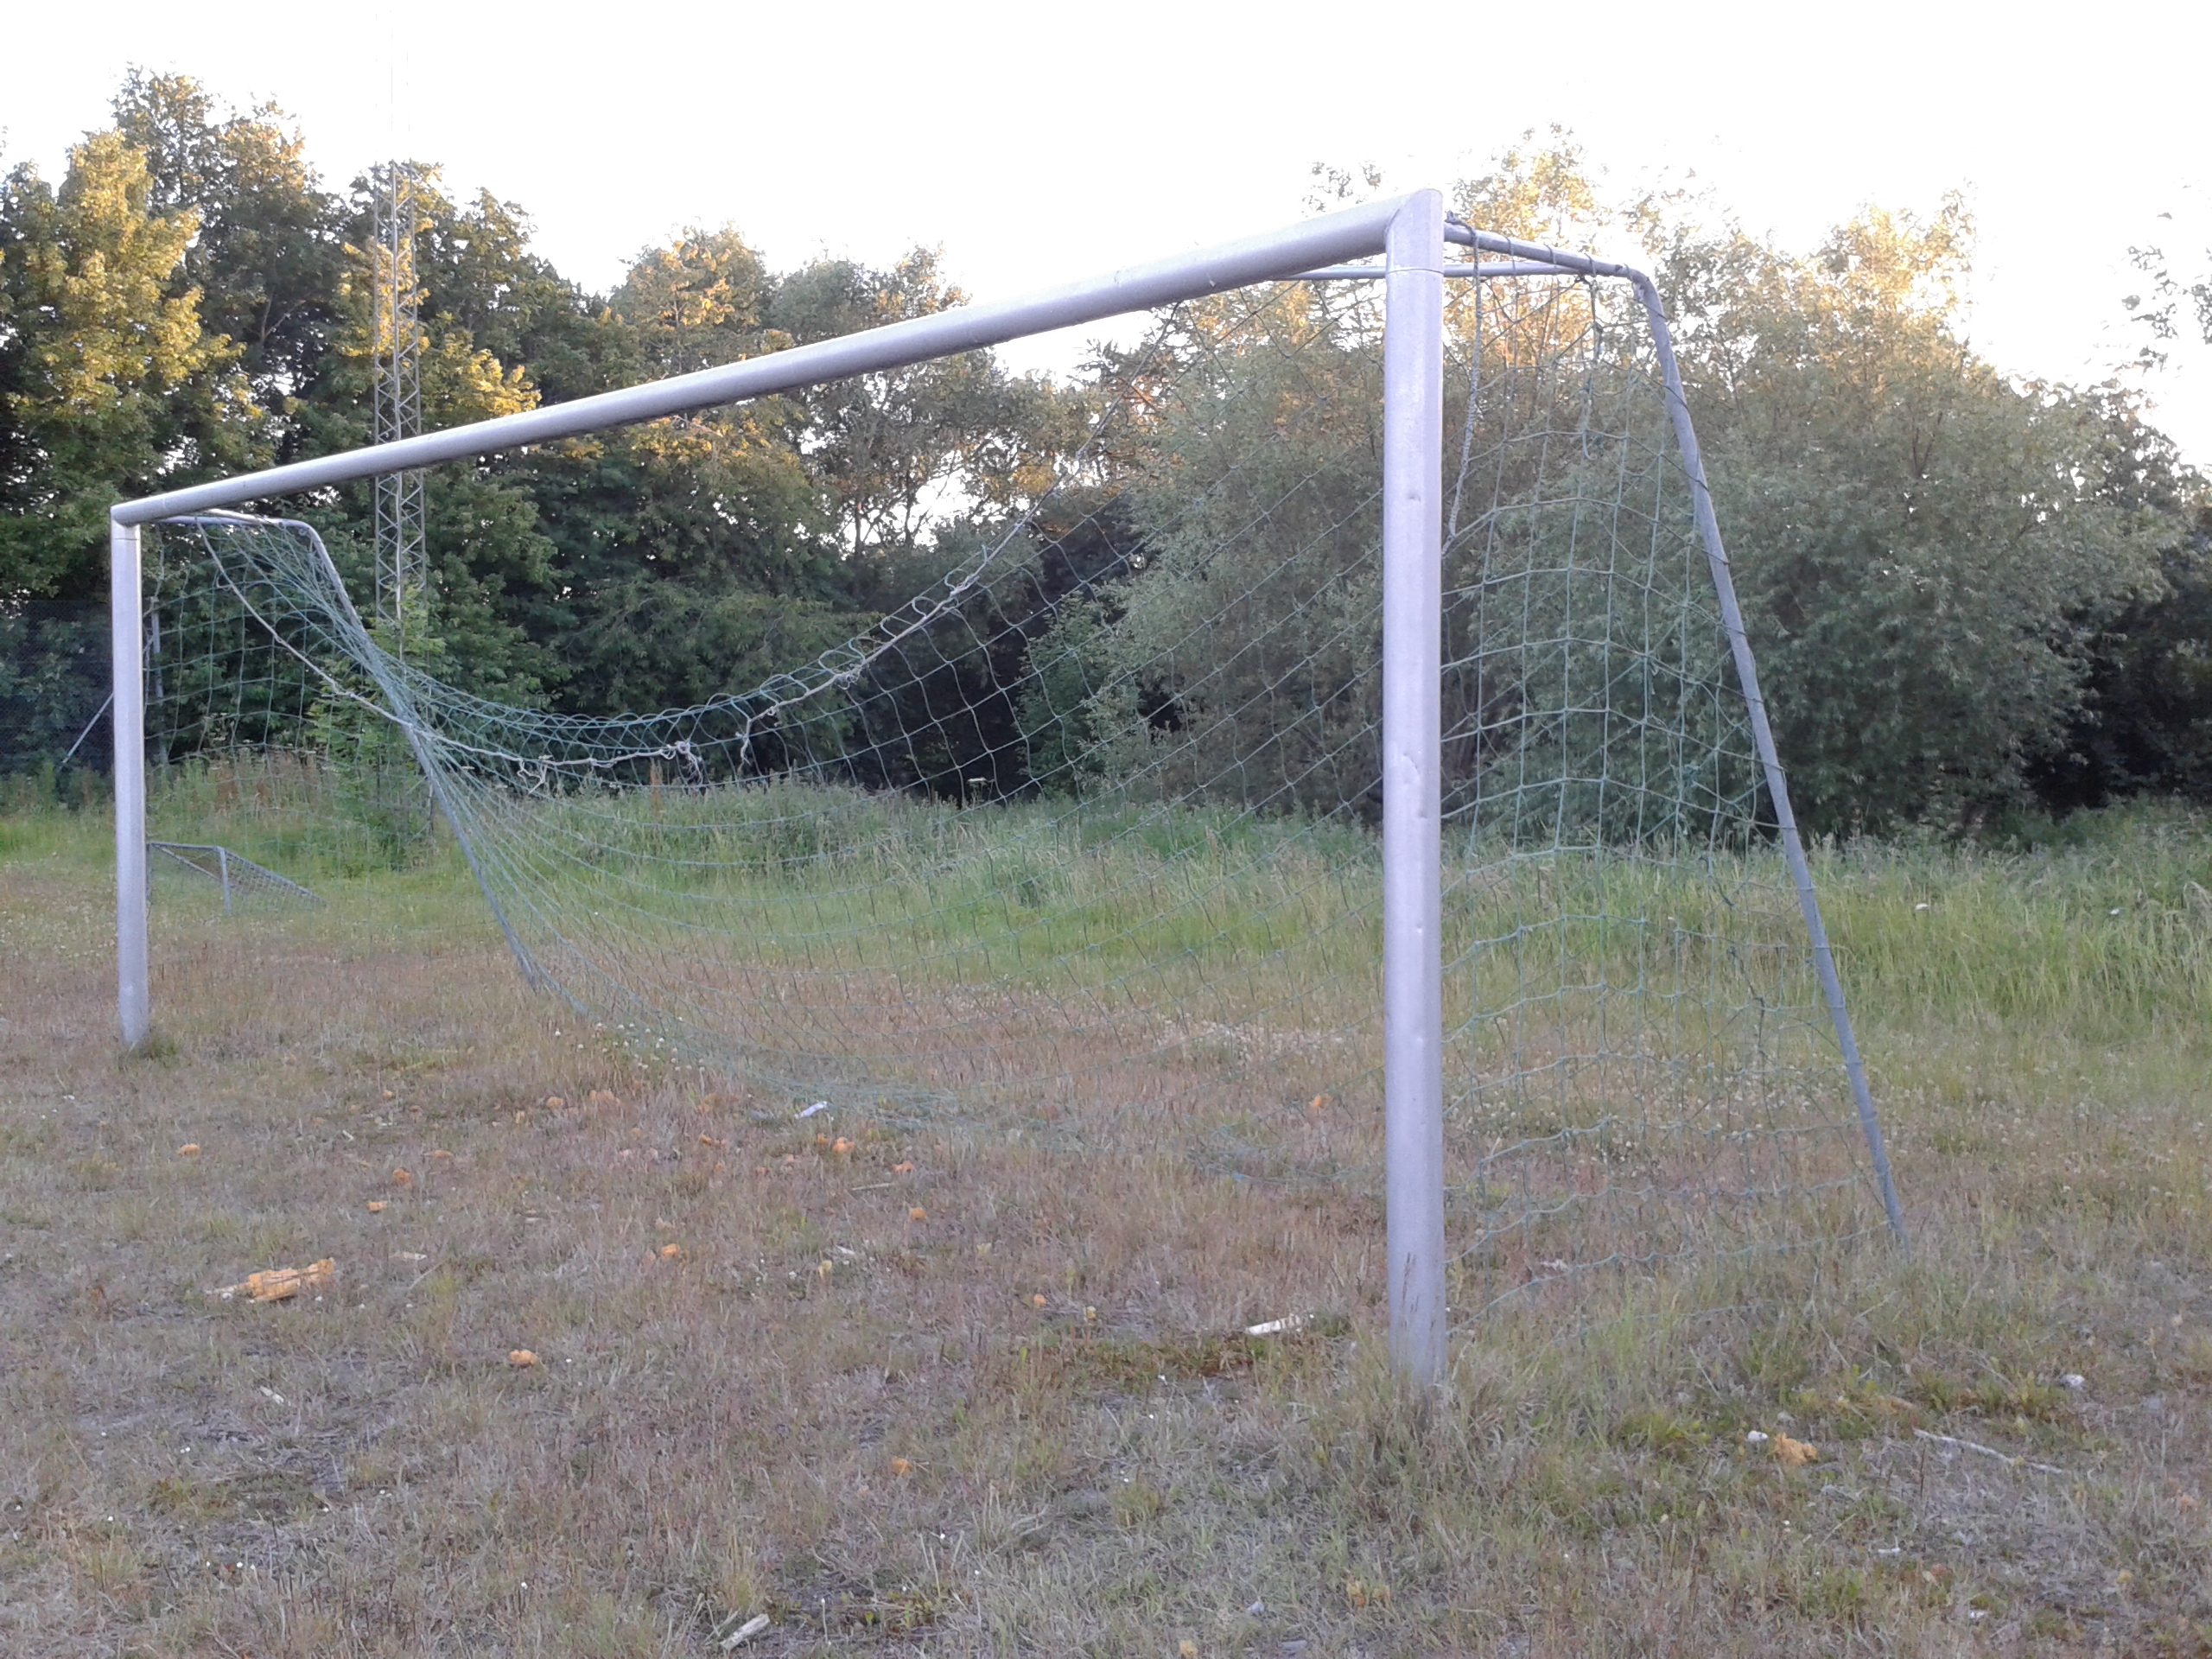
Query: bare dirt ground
column 957, row 1393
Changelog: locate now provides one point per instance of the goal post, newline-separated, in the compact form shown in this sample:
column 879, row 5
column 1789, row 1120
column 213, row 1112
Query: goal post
column 1415, row 240
column 1413, row 804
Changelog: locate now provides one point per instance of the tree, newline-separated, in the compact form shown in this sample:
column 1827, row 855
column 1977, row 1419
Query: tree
column 1926, row 550
column 487, row 560
column 110, row 385
column 896, row 452
column 2146, row 723
column 267, row 258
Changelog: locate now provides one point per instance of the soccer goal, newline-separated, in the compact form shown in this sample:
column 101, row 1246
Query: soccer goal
column 1350, row 759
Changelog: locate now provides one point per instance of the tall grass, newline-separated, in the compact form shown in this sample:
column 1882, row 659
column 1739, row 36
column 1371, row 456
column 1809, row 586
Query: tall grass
column 2106, row 932
column 2104, row 927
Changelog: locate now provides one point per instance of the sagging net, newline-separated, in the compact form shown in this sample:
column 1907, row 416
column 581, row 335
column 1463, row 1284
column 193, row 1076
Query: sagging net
column 1082, row 839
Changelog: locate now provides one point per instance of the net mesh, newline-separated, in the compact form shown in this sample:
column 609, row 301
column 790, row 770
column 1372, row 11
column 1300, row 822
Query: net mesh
column 1082, row 840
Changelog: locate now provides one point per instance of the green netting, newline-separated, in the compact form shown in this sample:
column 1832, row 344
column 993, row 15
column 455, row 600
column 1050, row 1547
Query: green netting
column 1082, row 839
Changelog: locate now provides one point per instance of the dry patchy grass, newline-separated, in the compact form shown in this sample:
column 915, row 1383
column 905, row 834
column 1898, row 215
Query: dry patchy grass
column 946, row 1393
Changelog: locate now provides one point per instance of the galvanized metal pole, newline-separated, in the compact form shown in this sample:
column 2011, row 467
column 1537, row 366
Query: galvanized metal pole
column 127, row 650
column 1413, row 856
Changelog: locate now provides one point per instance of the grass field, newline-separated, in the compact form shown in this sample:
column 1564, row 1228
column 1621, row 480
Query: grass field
column 956, row 1392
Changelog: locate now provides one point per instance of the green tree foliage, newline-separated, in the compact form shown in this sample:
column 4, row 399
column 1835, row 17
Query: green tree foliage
column 1962, row 588
column 691, row 557
column 1927, row 549
column 486, row 555
column 267, row 255
column 894, row 451
column 2147, row 725
column 111, row 383
column 1237, row 652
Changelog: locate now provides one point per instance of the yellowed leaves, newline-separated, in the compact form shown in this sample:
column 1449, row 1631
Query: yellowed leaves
column 189, row 1149
column 1794, row 1453
column 1361, row 1593
column 282, row 1284
column 671, row 1252
column 376, row 1206
column 917, row 1214
column 401, row 1177
column 521, row 1359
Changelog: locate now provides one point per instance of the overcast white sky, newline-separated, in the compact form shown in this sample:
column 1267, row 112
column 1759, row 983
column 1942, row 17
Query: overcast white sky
column 1036, row 143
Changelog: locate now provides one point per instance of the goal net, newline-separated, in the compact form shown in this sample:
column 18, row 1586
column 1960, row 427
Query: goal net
column 1080, row 842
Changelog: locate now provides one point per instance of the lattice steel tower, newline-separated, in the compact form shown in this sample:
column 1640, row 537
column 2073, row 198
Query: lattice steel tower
column 402, row 566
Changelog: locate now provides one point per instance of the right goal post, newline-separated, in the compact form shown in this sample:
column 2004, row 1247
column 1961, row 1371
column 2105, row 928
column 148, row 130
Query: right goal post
column 1260, row 767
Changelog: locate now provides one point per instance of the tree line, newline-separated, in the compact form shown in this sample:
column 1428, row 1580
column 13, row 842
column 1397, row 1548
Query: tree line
column 1971, row 595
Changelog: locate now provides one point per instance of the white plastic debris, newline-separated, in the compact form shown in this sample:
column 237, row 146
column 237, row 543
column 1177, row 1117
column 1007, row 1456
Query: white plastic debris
column 1276, row 1327
column 1756, row 1437
column 2075, row 1381
column 818, row 1106
column 269, row 1393
column 745, row 1632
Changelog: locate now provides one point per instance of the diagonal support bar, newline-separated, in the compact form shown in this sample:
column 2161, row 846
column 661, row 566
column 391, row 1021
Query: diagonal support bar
column 1747, row 673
